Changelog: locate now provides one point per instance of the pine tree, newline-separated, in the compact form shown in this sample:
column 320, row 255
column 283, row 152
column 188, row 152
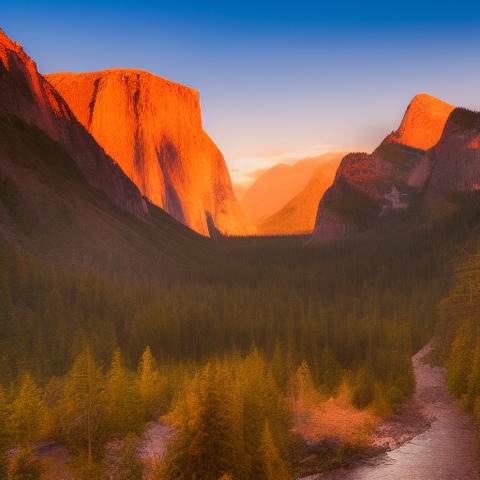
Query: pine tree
column 82, row 410
column 28, row 414
column 273, row 466
column 121, row 397
column 150, row 386
column 210, row 441
column 131, row 467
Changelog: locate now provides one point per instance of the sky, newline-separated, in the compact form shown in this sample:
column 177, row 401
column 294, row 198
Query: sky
column 278, row 80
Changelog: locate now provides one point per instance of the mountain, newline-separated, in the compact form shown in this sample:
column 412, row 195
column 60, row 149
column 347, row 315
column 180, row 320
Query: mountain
column 423, row 122
column 25, row 94
column 369, row 188
column 298, row 215
column 278, row 185
column 61, row 197
column 153, row 128
column 455, row 159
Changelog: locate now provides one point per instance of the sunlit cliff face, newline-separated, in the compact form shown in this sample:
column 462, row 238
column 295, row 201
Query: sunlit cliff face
column 26, row 95
column 423, row 123
column 153, row 128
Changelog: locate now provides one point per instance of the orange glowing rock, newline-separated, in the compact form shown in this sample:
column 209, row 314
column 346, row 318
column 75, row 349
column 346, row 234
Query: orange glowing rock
column 423, row 122
column 153, row 128
column 25, row 94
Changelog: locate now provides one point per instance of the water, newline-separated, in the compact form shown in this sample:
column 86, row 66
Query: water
column 446, row 451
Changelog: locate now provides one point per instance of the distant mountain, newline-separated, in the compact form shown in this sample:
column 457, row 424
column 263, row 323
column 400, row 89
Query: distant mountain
column 298, row 215
column 278, row 185
column 153, row 128
column 434, row 153
column 61, row 197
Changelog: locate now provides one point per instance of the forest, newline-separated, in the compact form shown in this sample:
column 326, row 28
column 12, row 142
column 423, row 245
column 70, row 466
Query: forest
column 228, row 347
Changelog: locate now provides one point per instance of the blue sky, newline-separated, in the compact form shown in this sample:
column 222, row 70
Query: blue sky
column 278, row 80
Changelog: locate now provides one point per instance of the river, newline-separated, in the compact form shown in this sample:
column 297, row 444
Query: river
column 445, row 451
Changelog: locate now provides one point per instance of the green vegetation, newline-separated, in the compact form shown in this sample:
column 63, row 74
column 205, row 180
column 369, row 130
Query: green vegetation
column 459, row 333
column 223, row 348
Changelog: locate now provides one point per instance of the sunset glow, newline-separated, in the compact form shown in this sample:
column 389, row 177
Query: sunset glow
column 271, row 75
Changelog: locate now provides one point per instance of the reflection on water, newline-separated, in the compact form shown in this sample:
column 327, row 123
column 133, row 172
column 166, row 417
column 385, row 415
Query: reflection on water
column 444, row 452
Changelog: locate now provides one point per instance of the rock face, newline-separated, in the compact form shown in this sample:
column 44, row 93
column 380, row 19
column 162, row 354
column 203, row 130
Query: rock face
column 62, row 198
column 298, row 215
column 368, row 188
column 456, row 157
column 423, row 123
column 25, row 94
column 153, row 128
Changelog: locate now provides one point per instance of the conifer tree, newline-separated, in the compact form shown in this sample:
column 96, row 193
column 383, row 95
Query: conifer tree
column 210, row 441
column 82, row 411
column 273, row 466
column 150, row 385
column 121, row 397
column 131, row 467
column 28, row 414
column 305, row 391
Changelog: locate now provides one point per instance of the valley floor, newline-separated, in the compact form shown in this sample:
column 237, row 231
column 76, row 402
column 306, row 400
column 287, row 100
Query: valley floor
column 444, row 451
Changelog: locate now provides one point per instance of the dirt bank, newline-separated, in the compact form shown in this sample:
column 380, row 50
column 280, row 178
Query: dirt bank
column 428, row 439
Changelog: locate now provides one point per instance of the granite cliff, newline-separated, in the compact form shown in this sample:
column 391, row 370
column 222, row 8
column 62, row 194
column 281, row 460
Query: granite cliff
column 395, row 178
column 153, row 128
column 25, row 94
column 62, row 198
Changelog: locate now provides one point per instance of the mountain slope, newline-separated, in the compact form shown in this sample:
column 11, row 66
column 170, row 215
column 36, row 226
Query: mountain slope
column 153, row 128
column 61, row 197
column 456, row 158
column 27, row 95
column 278, row 185
column 368, row 188
column 298, row 215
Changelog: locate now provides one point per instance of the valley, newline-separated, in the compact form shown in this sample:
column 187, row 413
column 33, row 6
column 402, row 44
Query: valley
column 137, row 298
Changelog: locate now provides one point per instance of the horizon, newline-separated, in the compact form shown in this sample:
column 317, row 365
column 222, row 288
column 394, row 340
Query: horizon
column 307, row 79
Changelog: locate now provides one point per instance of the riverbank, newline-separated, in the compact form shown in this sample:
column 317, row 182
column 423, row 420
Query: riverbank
column 428, row 439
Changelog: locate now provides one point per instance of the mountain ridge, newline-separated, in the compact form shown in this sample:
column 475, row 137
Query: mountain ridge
column 278, row 185
column 27, row 95
column 399, row 177
column 298, row 215
column 62, row 198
